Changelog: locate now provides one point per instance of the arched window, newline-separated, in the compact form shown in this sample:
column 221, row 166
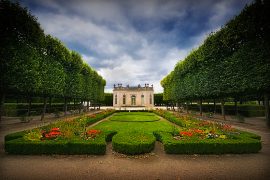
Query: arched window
column 133, row 100
column 150, row 98
column 124, row 99
column 115, row 99
column 142, row 99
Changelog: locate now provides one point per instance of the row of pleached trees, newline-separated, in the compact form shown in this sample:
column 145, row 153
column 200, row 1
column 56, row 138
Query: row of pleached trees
column 231, row 63
column 34, row 64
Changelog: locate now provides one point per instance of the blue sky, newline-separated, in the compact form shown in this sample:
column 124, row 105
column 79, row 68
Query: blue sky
column 133, row 42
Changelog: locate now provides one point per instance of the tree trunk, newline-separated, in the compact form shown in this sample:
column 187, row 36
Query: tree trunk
column 44, row 108
column 2, row 105
column 80, row 107
column 267, row 111
column 87, row 105
column 235, row 107
column 50, row 105
column 74, row 102
column 200, row 107
column 65, row 106
column 215, row 107
column 29, row 105
column 187, row 107
column 223, row 109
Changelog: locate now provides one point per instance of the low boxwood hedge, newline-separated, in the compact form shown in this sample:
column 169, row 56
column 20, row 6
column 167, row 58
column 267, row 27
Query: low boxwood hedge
column 170, row 117
column 73, row 146
column 133, row 143
column 17, row 143
column 246, row 143
column 15, row 135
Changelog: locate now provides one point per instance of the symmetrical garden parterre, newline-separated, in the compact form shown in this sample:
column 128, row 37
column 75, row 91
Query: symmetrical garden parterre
column 133, row 133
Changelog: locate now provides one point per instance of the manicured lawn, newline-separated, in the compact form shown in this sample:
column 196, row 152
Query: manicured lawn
column 135, row 122
column 135, row 117
column 134, row 131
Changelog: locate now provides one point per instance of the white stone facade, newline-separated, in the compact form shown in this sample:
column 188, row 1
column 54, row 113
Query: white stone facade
column 133, row 96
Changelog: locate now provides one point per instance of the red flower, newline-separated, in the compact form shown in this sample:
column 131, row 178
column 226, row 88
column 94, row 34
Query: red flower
column 227, row 127
column 198, row 131
column 54, row 133
column 55, row 129
column 186, row 133
column 93, row 133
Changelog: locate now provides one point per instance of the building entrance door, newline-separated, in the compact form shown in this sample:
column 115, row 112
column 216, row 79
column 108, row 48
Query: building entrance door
column 133, row 100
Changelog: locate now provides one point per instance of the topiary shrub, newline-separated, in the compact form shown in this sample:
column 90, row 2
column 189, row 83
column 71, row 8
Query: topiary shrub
column 133, row 143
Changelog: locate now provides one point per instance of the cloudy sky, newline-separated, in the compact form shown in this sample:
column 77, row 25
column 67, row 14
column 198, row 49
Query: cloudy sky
column 133, row 42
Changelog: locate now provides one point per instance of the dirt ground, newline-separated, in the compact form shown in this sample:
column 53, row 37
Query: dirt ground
column 156, row 165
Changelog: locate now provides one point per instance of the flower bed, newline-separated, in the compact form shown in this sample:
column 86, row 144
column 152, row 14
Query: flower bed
column 205, row 137
column 64, row 137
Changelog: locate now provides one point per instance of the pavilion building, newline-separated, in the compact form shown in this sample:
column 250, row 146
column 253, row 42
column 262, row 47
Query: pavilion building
column 133, row 96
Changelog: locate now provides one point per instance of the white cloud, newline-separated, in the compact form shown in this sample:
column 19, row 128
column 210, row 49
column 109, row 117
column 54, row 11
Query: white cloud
column 105, row 34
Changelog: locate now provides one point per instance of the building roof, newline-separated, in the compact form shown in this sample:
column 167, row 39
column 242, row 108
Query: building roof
column 146, row 87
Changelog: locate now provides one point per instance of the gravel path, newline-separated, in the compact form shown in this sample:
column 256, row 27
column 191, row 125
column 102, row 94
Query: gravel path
column 156, row 165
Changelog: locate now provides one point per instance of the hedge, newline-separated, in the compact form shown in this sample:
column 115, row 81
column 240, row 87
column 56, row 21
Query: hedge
column 15, row 135
column 244, row 144
column 20, row 109
column 15, row 143
column 170, row 117
column 245, row 110
column 98, row 117
column 96, row 146
column 133, row 143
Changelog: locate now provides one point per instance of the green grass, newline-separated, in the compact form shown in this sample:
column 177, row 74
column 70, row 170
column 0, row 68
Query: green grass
column 134, row 117
column 134, row 124
column 134, row 131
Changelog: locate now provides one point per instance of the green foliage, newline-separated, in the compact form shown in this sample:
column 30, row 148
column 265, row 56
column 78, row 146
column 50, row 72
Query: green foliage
column 70, row 141
column 133, row 142
column 21, row 146
column 16, row 135
column 36, row 64
column 231, row 62
column 108, row 99
column 159, row 99
column 134, row 137
column 246, row 110
column 170, row 117
column 203, row 137
column 20, row 109
column 245, row 144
